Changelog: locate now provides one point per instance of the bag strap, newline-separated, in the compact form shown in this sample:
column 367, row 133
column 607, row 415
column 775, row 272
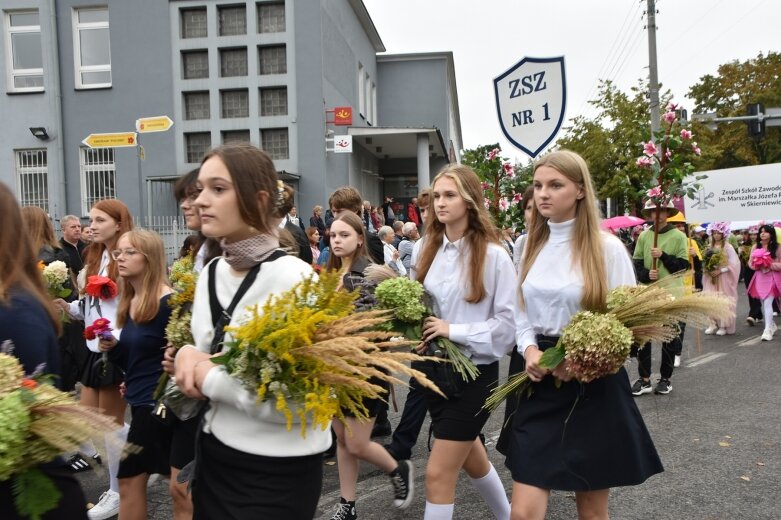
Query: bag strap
column 221, row 317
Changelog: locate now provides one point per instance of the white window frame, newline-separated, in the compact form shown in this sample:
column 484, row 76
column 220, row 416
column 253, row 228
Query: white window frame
column 77, row 28
column 28, row 174
column 106, row 163
column 361, row 95
column 9, row 52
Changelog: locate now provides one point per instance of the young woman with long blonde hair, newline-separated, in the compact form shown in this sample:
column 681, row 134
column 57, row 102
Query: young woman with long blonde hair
column 463, row 266
column 577, row 437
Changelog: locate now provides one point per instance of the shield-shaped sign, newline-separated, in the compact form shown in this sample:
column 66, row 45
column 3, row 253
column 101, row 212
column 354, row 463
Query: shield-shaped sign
column 530, row 100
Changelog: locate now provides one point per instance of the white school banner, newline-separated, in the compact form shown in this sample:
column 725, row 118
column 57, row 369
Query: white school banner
column 737, row 194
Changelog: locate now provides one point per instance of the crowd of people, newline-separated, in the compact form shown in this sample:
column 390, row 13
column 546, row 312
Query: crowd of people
column 498, row 293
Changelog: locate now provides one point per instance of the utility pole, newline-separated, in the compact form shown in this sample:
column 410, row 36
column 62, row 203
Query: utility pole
column 653, row 73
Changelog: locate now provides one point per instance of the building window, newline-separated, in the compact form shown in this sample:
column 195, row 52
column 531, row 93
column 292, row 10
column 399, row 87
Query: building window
column 196, row 145
column 361, row 95
column 273, row 59
column 275, row 142
column 92, row 47
column 234, row 103
column 373, row 104
column 271, row 17
column 235, row 136
column 233, row 20
column 23, row 55
column 196, row 105
column 195, row 64
column 233, row 62
column 193, row 23
column 273, row 101
column 32, row 170
column 98, row 176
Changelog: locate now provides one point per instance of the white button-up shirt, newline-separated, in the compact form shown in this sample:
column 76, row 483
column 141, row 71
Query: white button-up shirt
column 486, row 328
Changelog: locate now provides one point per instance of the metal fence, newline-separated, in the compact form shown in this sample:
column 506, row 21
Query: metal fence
column 171, row 229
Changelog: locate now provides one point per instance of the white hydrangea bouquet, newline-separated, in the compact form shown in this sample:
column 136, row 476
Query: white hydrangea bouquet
column 596, row 344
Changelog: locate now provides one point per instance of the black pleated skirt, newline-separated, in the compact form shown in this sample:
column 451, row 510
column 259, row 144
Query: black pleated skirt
column 233, row 485
column 94, row 375
column 580, row 437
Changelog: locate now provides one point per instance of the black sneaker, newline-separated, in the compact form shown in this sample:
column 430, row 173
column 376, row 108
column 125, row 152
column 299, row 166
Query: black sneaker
column 403, row 481
column 78, row 464
column 345, row 511
column 641, row 387
column 664, row 386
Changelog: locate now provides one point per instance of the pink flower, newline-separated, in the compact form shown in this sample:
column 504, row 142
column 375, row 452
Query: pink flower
column 485, row 185
column 654, row 192
column 686, row 134
column 507, row 167
column 517, row 197
column 644, row 162
column 696, row 149
column 649, row 148
column 671, row 107
column 493, row 153
column 486, row 203
column 669, row 117
column 504, row 203
column 668, row 153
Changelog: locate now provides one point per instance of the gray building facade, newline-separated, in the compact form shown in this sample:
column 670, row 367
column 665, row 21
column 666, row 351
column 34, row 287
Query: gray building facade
column 270, row 72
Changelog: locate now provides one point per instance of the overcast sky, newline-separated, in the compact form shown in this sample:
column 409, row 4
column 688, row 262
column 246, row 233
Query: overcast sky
column 599, row 39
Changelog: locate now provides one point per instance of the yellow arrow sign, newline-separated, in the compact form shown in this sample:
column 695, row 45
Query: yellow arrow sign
column 111, row 140
column 154, row 124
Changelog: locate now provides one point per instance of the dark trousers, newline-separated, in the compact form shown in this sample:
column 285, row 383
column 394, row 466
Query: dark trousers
column 754, row 304
column 682, row 328
column 405, row 436
column 668, row 358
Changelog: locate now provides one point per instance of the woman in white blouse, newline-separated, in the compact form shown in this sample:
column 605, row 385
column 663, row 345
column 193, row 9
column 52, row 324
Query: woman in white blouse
column 471, row 277
column 576, row 437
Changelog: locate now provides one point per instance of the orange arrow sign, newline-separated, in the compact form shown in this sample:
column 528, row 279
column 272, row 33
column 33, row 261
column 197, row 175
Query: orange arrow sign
column 154, row 124
column 118, row 140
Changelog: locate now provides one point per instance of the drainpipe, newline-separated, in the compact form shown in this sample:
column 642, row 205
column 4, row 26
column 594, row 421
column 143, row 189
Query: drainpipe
column 55, row 108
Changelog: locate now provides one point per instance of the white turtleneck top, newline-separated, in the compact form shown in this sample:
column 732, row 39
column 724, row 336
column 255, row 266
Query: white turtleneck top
column 554, row 286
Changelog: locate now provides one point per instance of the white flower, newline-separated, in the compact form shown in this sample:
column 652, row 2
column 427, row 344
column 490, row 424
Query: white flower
column 56, row 273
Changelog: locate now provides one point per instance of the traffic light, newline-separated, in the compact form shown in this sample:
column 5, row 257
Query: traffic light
column 756, row 127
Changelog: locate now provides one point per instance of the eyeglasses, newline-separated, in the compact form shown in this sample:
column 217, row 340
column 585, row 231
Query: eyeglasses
column 130, row 253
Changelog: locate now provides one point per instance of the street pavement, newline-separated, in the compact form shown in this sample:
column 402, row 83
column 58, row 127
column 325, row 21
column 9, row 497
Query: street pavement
column 717, row 433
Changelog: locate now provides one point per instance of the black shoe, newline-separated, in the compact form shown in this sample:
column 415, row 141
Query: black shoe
column 77, row 463
column 641, row 387
column 664, row 386
column 403, row 480
column 382, row 429
column 345, row 511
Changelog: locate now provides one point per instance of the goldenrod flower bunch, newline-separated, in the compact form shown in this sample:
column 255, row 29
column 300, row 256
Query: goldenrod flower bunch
column 311, row 353
column 38, row 423
column 596, row 344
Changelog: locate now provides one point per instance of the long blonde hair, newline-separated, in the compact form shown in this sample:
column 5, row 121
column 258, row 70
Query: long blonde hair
column 151, row 245
column 587, row 250
column 38, row 228
column 479, row 233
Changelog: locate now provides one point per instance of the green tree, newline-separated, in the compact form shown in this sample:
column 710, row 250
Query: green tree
column 503, row 184
column 727, row 93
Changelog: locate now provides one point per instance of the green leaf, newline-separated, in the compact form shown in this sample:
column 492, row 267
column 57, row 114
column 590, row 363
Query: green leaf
column 552, row 357
column 34, row 494
column 64, row 293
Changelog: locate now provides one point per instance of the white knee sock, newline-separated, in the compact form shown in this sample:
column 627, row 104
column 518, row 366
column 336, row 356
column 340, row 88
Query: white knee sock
column 438, row 511
column 767, row 312
column 115, row 442
column 88, row 448
column 491, row 489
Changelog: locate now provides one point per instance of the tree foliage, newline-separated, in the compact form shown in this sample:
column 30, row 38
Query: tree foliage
column 727, row 93
column 503, row 184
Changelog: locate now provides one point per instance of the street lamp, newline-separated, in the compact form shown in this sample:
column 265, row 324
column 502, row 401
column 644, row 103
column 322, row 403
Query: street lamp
column 39, row 132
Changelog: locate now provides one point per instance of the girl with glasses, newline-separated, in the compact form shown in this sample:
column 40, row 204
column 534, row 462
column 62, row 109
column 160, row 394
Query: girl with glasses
column 143, row 314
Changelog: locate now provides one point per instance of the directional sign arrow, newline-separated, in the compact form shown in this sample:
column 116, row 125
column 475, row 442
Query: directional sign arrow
column 116, row 140
column 154, row 124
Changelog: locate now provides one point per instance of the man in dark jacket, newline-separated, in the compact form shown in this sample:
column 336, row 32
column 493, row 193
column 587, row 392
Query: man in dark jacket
column 71, row 242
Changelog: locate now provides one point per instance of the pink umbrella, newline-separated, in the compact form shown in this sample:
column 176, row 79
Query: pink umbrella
column 621, row 221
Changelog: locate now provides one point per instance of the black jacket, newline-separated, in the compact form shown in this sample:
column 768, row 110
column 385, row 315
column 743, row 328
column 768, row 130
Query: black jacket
column 304, row 252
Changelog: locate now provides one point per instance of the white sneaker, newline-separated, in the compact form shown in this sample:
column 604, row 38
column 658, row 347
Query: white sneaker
column 721, row 332
column 710, row 330
column 677, row 361
column 773, row 327
column 107, row 506
column 767, row 335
